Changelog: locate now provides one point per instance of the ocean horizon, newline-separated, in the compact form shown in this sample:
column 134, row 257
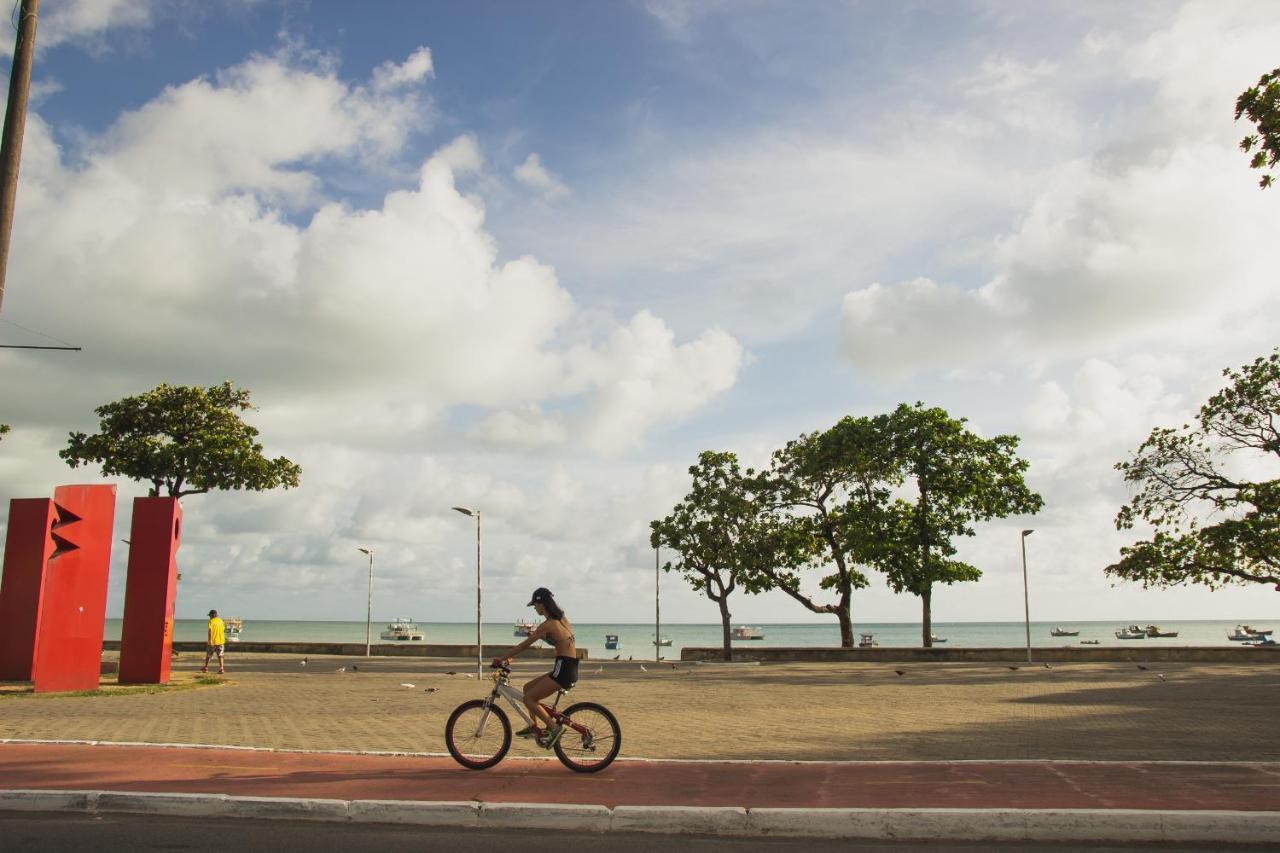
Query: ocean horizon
column 636, row 638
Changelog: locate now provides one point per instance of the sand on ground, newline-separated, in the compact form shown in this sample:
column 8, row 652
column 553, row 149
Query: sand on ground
column 791, row 711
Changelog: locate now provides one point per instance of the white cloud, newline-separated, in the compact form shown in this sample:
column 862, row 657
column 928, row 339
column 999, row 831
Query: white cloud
column 85, row 21
column 526, row 428
column 417, row 68
column 534, row 175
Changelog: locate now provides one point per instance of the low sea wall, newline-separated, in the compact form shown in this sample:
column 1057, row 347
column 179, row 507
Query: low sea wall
column 410, row 650
column 1049, row 654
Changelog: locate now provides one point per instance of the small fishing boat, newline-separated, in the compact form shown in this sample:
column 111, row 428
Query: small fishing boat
column 1246, row 633
column 402, row 630
column 1133, row 632
column 1154, row 631
column 1063, row 632
column 1264, row 641
column 747, row 632
column 1089, row 642
column 524, row 628
column 664, row 641
column 234, row 624
column 936, row 639
column 867, row 641
column 611, row 642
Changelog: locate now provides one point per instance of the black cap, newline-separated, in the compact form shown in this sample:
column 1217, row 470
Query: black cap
column 213, row 613
column 541, row 595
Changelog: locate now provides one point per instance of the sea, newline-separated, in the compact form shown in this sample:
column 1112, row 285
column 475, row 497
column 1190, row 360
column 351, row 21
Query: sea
column 637, row 639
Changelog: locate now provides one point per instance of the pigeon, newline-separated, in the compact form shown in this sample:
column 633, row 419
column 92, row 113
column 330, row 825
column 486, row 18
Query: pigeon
column 469, row 675
column 673, row 666
column 341, row 669
column 597, row 670
column 1140, row 666
column 431, row 690
column 631, row 657
column 1013, row 667
column 615, row 657
column 303, row 661
column 355, row 668
column 1046, row 666
column 451, row 672
column 407, row 684
column 642, row 669
column 900, row 672
column 1160, row 675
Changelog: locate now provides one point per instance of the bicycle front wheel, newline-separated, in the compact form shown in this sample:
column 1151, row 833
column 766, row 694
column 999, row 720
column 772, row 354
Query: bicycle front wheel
column 477, row 735
column 592, row 739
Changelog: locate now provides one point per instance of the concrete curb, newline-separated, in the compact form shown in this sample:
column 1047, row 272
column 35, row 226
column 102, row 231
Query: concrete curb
column 1068, row 825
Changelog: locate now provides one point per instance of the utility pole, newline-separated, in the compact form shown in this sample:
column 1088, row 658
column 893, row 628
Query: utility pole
column 657, row 608
column 15, row 121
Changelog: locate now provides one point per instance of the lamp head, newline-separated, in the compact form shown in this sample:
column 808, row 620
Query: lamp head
column 1027, row 533
column 464, row 510
column 368, row 551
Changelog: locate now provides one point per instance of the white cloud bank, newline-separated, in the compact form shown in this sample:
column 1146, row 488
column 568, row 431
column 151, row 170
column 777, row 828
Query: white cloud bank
column 535, row 176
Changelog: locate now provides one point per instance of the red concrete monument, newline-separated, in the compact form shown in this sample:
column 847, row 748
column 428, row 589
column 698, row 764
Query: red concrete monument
column 147, row 637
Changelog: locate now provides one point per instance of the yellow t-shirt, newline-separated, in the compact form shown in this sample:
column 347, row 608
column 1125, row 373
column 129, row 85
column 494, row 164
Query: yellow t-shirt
column 217, row 632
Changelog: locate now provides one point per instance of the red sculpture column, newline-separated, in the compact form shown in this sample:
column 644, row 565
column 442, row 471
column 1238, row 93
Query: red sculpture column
column 147, row 636
column 73, row 609
column 28, row 546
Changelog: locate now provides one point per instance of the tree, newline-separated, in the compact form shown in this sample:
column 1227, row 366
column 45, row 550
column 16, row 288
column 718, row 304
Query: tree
column 1261, row 104
column 832, row 492
column 4, row 429
column 959, row 479
column 1210, row 524
column 717, row 530
column 185, row 439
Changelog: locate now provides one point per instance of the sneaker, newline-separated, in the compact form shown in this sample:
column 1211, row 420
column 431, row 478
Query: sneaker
column 553, row 735
column 530, row 731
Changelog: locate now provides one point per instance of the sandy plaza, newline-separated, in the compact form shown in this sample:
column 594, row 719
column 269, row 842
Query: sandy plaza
column 793, row 711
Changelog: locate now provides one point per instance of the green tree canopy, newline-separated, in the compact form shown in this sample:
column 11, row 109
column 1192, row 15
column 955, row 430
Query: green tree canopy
column 184, row 439
column 959, row 479
column 1211, row 522
column 718, row 531
column 831, row 491
column 4, row 428
column 1261, row 104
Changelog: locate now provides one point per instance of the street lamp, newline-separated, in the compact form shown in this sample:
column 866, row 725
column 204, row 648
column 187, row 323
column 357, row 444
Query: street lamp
column 368, row 612
column 1026, row 606
column 475, row 513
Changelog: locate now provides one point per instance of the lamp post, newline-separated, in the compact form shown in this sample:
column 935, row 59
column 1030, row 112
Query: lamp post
column 475, row 513
column 368, row 611
column 657, row 608
column 1026, row 605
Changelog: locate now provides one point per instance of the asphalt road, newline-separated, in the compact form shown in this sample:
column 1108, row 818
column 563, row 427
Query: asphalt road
column 59, row 833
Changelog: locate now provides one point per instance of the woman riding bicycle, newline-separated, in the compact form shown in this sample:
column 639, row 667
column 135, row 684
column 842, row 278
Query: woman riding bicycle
column 557, row 631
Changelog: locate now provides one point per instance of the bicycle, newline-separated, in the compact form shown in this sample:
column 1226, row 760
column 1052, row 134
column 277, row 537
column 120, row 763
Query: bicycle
column 478, row 733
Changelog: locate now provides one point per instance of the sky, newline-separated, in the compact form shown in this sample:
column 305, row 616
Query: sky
column 534, row 258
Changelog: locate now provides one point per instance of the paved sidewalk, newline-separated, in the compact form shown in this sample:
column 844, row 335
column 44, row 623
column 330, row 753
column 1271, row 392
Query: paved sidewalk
column 889, row 785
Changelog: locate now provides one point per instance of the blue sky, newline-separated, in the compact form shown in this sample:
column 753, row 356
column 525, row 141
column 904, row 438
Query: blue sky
column 535, row 257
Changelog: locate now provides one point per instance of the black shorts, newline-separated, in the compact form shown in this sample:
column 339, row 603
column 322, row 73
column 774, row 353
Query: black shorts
column 565, row 672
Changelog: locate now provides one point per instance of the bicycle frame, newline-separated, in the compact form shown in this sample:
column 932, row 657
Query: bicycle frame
column 515, row 699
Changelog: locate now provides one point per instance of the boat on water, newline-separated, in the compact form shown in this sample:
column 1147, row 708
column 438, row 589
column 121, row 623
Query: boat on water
column 402, row 630
column 233, row 624
column 747, row 632
column 1247, row 633
column 1063, row 632
column 936, row 639
column 664, row 641
column 1154, row 631
column 1133, row 632
column 611, row 642
column 1090, row 642
column 524, row 627
column 867, row 641
column 1264, row 641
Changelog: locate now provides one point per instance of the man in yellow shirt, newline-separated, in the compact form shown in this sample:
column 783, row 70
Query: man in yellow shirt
column 217, row 640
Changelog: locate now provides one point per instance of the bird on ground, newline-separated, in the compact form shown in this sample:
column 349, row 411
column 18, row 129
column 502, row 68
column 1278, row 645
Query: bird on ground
column 1013, row 667
column 631, row 657
column 900, row 672
column 1160, row 675
column 355, row 668
column 615, row 657
column 303, row 661
column 431, row 690
column 407, row 684
column 642, row 669
column 469, row 675
column 1140, row 666
column 1046, row 666
column 451, row 672
column 673, row 666
column 598, row 670
column 341, row 669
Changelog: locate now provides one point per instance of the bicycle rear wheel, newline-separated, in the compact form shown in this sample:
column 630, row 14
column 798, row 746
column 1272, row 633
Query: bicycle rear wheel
column 592, row 739
column 477, row 736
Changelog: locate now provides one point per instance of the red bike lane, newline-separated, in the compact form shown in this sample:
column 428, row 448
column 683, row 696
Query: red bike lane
column 968, row 785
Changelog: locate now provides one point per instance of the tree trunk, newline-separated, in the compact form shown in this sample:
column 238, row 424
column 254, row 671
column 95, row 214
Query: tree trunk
column 724, row 623
column 926, row 621
column 846, row 620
